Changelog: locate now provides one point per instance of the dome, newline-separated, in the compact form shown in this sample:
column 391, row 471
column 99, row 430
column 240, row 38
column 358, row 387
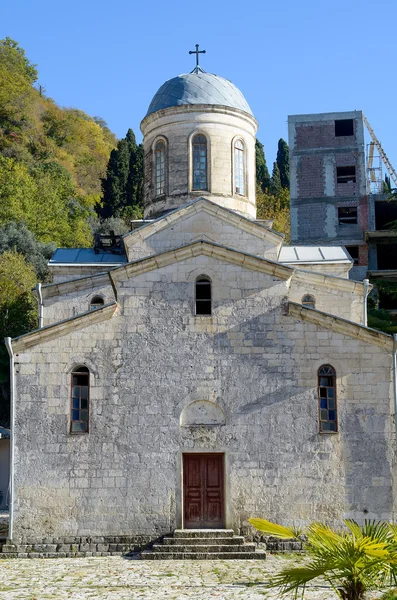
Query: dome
column 198, row 87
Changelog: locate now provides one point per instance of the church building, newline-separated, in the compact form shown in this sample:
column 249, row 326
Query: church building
column 198, row 372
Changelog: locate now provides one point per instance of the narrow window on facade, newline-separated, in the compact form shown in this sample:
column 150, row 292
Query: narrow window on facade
column 309, row 301
column 200, row 159
column 239, row 168
column 203, row 296
column 327, row 399
column 159, row 153
column 80, row 385
column 347, row 215
column 96, row 302
column 346, row 174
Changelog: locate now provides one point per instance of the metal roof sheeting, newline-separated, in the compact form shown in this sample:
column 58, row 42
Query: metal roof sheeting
column 198, row 87
column 314, row 254
column 85, row 256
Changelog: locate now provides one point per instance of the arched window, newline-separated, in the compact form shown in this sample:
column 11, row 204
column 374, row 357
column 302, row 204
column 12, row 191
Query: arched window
column 327, row 399
column 80, row 392
column 203, row 295
column 309, row 301
column 200, row 159
column 239, row 168
column 159, row 153
column 96, row 302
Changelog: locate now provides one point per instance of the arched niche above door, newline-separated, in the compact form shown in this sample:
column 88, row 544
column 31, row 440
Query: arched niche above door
column 202, row 412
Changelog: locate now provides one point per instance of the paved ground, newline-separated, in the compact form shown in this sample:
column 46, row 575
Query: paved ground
column 118, row 579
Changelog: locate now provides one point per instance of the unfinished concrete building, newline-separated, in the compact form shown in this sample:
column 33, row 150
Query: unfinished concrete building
column 337, row 192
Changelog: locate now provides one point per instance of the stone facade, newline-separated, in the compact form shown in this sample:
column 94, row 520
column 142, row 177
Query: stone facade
column 221, row 126
column 240, row 381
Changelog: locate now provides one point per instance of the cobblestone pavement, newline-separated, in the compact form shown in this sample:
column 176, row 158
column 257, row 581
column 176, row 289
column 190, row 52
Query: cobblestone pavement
column 116, row 578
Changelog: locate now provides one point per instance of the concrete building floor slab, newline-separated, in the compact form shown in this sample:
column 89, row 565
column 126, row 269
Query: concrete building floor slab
column 118, row 578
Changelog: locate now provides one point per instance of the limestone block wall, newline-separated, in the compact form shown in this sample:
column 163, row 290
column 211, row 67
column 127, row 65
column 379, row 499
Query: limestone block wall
column 154, row 358
column 203, row 225
column 221, row 126
column 345, row 303
column 75, row 302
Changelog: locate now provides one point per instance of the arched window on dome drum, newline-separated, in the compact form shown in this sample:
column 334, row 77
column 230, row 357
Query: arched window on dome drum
column 96, row 302
column 309, row 301
column 200, row 160
column 203, row 295
column 159, row 153
column 80, row 392
column 239, row 168
column 327, row 399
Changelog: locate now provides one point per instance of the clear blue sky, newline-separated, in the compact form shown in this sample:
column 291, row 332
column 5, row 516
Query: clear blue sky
column 288, row 57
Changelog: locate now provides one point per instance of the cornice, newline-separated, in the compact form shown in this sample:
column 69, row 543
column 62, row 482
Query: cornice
column 51, row 332
column 353, row 330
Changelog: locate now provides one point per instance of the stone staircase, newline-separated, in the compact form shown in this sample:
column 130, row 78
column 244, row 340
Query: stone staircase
column 203, row 544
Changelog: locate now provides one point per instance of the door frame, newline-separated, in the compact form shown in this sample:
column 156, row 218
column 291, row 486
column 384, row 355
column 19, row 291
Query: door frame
column 180, row 492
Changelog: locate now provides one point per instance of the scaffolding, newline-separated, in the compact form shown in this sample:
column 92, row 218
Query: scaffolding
column 382, row 153
column 374, row 170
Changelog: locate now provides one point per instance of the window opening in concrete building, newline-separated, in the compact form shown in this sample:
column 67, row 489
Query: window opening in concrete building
column 96, row 302
column 347, row 215
column 200, row 177
column 203, row 295
column 309, row 301
column 385, row 213
column 354, row 253
column 344, row 127
column 327, row 399
column 80, row 385
column 160, row 167
column 239, row 168
column 346, row 174
column 386, row 255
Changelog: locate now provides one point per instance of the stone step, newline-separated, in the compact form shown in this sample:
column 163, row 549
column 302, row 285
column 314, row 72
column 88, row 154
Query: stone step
column 203, row 533
column 181, row 549
column 258, row 555
column 186, row 541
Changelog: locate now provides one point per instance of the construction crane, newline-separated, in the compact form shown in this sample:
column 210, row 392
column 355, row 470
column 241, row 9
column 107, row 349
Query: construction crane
column 382, row 153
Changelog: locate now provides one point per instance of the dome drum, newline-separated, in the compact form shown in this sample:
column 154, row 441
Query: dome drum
column 199, row 150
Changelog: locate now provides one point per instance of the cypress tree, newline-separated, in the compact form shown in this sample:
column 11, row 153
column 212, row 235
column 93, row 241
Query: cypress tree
column 275, row 182
column 283, row 162
column 262, row 172
column 123, row 185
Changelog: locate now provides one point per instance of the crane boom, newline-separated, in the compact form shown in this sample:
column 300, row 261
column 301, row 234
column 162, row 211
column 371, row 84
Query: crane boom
column 382, row 153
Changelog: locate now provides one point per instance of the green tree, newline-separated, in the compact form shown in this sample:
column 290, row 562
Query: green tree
column 275, row 208
column 262, row 172
column 275, row 181
column 283, row 162
column 123, row 185
column 14, row 55
column 16, row 237
column 18, row 313
column 351, row 561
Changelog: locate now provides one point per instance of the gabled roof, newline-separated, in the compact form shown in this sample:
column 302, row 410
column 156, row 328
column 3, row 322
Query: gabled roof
column 169, row 257
column 64, row 327
column 73, row 285
column 203, row 204
column 340, row 325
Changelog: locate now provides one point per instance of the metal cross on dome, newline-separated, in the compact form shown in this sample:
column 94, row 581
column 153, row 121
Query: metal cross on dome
column 197, row 52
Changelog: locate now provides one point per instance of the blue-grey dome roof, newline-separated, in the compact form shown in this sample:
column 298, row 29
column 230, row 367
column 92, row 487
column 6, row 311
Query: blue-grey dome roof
column 198, row 87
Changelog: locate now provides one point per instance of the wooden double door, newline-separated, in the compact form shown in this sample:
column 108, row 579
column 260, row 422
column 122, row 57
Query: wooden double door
column 203, row 491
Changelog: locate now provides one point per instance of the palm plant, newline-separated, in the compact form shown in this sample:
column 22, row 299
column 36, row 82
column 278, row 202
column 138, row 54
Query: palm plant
column 353, row 561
